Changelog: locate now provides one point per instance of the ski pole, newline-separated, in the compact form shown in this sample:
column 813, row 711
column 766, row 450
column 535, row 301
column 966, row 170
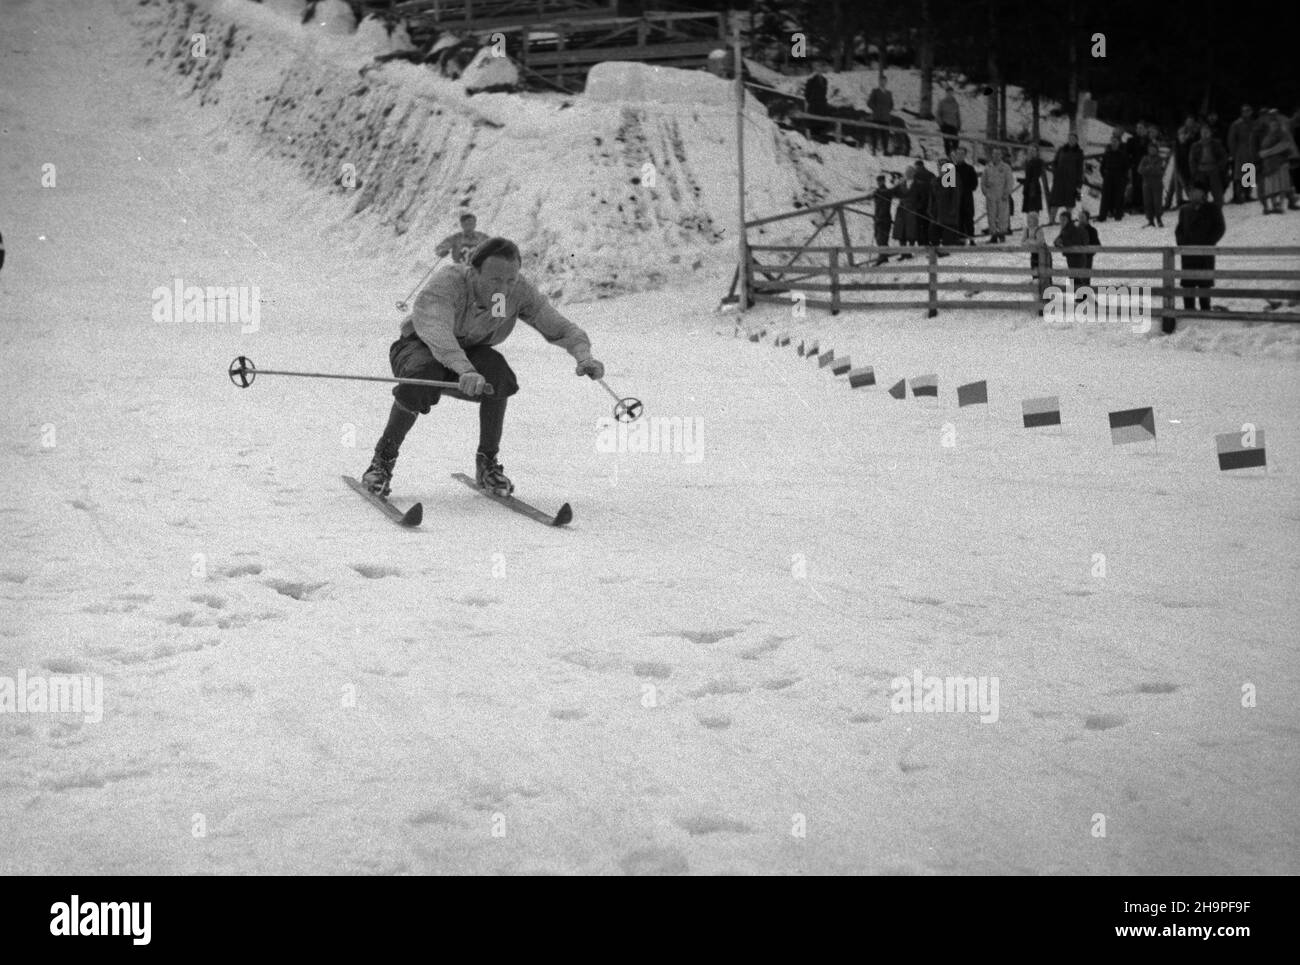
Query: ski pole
column 242, row 372
column 627, row 409
column 405, row 304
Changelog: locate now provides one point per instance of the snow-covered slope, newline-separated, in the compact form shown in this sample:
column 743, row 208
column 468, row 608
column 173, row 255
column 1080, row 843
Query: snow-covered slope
column 697, row 676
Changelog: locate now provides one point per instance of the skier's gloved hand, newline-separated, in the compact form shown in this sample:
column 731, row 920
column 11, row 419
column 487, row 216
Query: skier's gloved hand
column 471, row 383
column 590, row 368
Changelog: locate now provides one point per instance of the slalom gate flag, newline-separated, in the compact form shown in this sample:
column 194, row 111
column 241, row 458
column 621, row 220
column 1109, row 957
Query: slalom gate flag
column 824, row 359
column 800, row 349
column 1132, row 425
column 925, row 385
column 899, row 391
column 840, row 366
column 972, row 393
column 863, row 376
column 812, row 350
column 1045, row 411
column 753, row 336
column 1234, row 453
column 782, row 341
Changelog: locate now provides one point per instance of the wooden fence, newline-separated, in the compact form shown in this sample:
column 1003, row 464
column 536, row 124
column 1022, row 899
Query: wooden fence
column 999, row 277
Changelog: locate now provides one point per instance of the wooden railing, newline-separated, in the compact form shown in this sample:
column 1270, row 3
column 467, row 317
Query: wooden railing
column 988, row 276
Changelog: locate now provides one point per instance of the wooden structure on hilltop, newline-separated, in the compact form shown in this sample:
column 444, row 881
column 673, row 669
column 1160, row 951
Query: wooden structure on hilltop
column 558, row 41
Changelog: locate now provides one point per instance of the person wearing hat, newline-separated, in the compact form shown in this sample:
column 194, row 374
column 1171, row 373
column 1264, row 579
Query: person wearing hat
column 1200, row 222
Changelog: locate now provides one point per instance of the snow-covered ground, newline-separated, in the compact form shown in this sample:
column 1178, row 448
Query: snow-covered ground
column 694, row 677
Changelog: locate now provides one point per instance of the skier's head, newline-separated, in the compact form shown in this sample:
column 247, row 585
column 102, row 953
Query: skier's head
column 494, row 269
column 468, row 222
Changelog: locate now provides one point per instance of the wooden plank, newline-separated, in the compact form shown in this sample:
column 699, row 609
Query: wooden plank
column 538, row 59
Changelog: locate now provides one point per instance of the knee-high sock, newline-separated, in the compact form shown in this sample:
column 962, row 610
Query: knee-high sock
column 491, row 420
column 400, row 420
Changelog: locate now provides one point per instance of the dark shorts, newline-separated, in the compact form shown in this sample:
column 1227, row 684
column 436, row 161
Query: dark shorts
column 411, row 359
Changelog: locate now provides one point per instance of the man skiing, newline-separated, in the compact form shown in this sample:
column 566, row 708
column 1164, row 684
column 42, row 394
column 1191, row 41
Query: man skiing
column 460, row 244
column 460, row 314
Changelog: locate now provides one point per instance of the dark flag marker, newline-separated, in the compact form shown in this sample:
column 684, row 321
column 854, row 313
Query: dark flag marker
column 824, row 359
column 899, row 391
column 1045, row 411
column 1132, row 425
column 782, row 341
column 1235, row 454
column 972, row 393
column 812, row 350
column 841, row 366
column 925, row 385
column 863, row 376
column 800, row 349
column 754, row 337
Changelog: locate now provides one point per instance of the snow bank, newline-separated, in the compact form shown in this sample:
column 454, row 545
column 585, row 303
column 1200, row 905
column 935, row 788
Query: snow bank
column 628, row 188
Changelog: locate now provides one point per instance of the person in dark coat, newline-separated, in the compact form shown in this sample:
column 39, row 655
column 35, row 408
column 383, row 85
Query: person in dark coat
column 968, row 181
column 1200, row 222
column 1176, row 193
column 1240, row 151
column 880, row 102
column 883, row 218
column 914, row 198
column 814, row 95
column 1208, row 158
column 1094, row 239
column 1036, row 189
column 1152, row 170
column 1067, row 177
column 1073, row 234
column 1136, row 150
column 945, row 206
column 1114, row 173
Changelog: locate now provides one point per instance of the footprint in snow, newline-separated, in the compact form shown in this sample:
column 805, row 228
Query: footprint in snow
column 654, row 861
column 376, row 571
column 660, row 671
column 1103, row 721
column 698, row 824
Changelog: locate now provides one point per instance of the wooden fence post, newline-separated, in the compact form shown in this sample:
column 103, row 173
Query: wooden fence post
column 1167, row 283
column 933, row 258
column 835, row 281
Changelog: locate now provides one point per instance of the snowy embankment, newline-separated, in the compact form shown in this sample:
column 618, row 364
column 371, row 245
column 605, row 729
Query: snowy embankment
column 563, row 176
column 698, row 675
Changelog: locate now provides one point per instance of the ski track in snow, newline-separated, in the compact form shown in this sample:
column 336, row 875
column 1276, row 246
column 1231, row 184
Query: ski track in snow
column 704, row 656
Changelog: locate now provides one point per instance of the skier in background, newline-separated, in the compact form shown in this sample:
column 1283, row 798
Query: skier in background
column 460, row 314
column 462, row 242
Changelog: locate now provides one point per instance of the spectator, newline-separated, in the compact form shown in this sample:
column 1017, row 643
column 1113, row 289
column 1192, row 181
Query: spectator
column 949, row 118
column 1183, row 142
column 914, row 200
column 814, row 95
column 1277, row 152
column 462, row 243
column 1067, row 177
column 945, row 206
column 1136, row 149
column 968, row 180
column 997, row 184
column 1240, row 151
column 1295, row 136
column 1152, row 170
column 1094, row 239
column 1207, row 158
column 1199, row 223
column 1114, row 174
column 1036, row 189
column 880, row 103
column 1040, row 259
column 1073, row 235
column 883, row 198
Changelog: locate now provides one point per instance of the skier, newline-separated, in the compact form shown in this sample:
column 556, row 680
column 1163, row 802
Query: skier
column 462, row 242
column 460, row 314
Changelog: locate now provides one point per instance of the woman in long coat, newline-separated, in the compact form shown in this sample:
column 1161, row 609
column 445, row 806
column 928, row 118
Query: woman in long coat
column 1067, row 177
column 914, row 192
column 1276, row 151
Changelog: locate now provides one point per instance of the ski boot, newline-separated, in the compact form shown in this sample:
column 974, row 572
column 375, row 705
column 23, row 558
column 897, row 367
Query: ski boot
column 490, row 475
column 378, row 478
